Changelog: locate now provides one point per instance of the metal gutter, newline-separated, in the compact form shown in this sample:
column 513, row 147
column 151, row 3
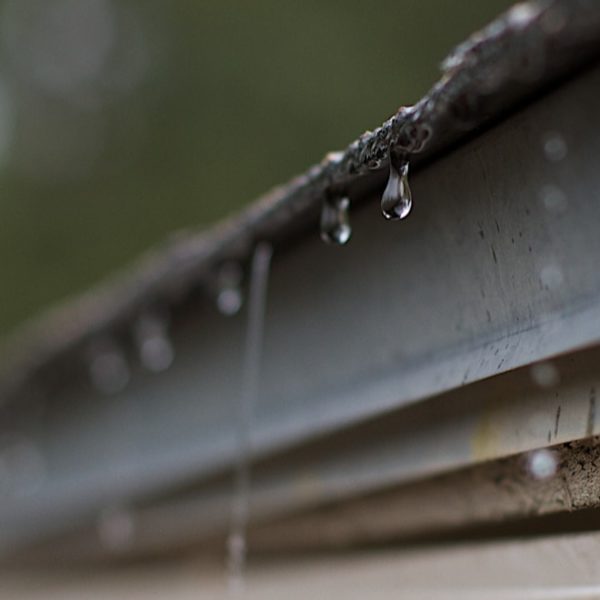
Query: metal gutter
column 356, row 485
column 496, row 269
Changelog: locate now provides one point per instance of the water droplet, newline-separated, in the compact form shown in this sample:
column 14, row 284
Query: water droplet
column 522, row 14
column 396, row 201
column 555, row 147
column 542, row 464
column 551, row 277
column 154, row 346
column 116, row 528
column 108, row 368
column 229, row 283
column 545, row 375
column 554, row 199
column 335, row 221
column 334, row 158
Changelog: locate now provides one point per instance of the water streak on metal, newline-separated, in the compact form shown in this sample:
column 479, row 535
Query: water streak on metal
column 259, row 278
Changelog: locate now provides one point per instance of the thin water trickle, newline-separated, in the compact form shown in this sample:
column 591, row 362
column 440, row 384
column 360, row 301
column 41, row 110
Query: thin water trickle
column 257, row 302
column 396, row 201
column 335, row 221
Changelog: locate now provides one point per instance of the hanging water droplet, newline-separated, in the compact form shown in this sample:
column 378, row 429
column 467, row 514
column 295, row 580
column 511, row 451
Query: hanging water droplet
column 108, row 368
column 154, row 346
column 396, row 201
column 229, row 294
column 335, row 222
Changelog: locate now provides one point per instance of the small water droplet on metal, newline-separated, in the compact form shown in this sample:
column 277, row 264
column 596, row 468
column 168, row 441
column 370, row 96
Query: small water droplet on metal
column 542, row 464
column 554, row 199
column 551, row 277
column 555, row 147
column 545, row 375
column 115, row 527
column 229, row 293
column 108, row 368
column 335, row 221
column 522, row 14
column 154, row 345
column 396, row 201
column 334, row 157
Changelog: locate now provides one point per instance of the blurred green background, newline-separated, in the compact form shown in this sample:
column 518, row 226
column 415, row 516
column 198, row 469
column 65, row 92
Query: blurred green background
column 124, row 120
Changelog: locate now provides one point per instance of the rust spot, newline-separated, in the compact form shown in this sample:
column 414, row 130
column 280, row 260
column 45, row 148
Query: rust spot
column 485, row 442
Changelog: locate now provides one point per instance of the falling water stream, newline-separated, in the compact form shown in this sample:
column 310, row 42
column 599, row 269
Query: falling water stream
column 256, row 311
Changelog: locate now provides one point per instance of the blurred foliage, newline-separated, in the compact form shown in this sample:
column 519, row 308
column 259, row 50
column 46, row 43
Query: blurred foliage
column 123, row 121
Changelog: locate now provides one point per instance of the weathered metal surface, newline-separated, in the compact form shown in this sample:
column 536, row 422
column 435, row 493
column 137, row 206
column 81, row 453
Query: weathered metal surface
column 356, row 332
column 421, row 449
column 557, row 567
column 532, row 45
column 502, row 492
